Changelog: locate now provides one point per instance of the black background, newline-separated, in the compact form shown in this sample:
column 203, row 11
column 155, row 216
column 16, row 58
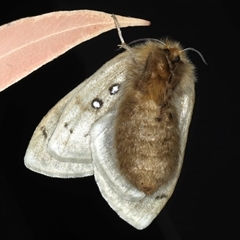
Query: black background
column 205, row 202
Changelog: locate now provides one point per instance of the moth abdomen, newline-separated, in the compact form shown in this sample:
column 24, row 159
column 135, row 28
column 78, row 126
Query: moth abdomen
column 147, row 150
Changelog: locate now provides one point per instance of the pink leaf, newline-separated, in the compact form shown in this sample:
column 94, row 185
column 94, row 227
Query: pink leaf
column 29, row 43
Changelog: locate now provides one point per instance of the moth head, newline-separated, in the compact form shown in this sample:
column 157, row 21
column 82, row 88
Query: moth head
column 159, row 67
column 175, row 50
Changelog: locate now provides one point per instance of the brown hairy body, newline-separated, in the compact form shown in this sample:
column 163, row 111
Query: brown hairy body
column 147, row 132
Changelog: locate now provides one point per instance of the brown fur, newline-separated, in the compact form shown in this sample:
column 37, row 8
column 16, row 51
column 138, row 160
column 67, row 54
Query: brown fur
column 147, row 133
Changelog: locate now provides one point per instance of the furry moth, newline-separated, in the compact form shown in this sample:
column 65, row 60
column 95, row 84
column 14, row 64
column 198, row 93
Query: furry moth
column 127, row 125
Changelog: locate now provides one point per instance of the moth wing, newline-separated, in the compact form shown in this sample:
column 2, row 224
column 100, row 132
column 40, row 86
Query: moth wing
column 38, row 158
column 60, row 145
column 128, row 202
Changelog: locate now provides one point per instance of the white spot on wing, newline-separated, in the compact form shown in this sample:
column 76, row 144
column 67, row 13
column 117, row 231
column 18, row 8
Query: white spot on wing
column 97, row 103
column 114, row 89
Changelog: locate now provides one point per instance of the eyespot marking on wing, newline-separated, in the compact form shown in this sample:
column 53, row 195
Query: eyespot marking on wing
column 114, row 89
column 97, row 103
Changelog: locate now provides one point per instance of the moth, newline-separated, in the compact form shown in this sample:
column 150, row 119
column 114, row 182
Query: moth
column 127, row 125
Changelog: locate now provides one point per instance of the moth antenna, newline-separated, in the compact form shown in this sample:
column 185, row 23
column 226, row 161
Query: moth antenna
column 123, row 44
column 147, row 39
column 195, row 50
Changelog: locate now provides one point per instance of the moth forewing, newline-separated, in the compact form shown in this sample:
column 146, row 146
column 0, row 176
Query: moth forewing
column 60, row 144
column 38, row 158
column 80, row 112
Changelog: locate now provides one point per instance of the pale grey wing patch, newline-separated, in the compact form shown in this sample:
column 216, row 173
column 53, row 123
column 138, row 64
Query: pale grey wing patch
column 60, row 145
column 70, row 141
column 38, row 158
column 137, row 213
